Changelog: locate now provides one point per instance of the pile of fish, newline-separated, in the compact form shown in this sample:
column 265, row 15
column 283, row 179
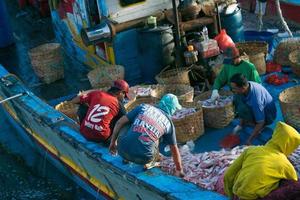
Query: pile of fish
column 221, row 102
column 203, row 169
column 142, row 91
column 295, row 159
column 182, row 113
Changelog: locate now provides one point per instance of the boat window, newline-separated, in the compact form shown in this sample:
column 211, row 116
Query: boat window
column 130, row 2
column 93, row 12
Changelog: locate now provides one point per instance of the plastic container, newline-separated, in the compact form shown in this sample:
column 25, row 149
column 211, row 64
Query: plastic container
column 224, row 41
column 231, row 20
column 260, row 36
column 156, row 46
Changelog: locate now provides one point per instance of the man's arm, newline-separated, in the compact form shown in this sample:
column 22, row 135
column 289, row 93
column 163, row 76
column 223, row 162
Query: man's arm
column 221, row 79
column 120, row 123
column 256, row 131
column 76, row 99
column 177, row 160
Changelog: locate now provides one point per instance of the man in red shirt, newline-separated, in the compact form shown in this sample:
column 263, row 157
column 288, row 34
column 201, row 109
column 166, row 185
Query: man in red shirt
column 103, row 109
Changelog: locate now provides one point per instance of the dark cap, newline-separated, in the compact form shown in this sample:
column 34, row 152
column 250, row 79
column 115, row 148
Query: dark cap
column 122, row 85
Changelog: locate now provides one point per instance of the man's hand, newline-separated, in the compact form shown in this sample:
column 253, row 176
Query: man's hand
column 179, row 173
column 214, row 95
column 113, row 148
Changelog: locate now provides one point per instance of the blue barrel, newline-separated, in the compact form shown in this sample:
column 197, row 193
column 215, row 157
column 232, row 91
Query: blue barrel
column 6, row 37
column 232, row 22
column 260, row 36
column 155, row 46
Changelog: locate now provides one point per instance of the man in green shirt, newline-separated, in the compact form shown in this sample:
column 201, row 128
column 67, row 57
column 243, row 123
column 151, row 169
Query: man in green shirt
column 238, row 66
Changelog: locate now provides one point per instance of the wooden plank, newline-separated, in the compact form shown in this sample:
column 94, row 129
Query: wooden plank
column 195, row 23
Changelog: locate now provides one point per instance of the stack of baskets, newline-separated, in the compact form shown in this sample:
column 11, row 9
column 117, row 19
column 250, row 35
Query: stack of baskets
column 216, row 117
column 174, row 76
column 257, row 52
column 68, row 108
column 104, row 76
column 47, row 62
column 294, row 58
column 191, row 126
column 184, row 93
column 290, row 106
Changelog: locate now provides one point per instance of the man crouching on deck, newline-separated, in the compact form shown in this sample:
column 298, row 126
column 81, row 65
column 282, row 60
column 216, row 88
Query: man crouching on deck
column 103, row 109
column 253, row 104
column 140, row 144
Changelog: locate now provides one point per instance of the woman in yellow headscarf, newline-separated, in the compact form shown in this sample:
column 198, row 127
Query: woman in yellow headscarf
column 259, row 169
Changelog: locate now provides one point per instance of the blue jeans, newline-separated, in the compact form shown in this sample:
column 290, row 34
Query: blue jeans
column 127, row 148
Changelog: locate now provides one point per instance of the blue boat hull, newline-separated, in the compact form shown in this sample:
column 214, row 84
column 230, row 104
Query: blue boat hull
column 90, row 165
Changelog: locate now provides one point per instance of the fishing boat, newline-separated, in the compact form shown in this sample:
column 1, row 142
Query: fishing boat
column 102, row 32
column 89, row 164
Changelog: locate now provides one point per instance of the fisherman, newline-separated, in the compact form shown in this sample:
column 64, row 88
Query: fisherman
column 99, row 111
column 260, row 169
column 253, row 103
column 140, row 143
column 237, row 66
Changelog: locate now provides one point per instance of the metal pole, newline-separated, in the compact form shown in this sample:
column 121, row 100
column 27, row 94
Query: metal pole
column 178, row 60
column 12, row 97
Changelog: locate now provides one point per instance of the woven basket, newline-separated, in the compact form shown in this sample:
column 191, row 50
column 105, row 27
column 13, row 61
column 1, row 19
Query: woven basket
column 190, row 127
column 294, row 58
column 281, row 55
column 47, row 62
column 68, row 108
column 259, row 62
column 290, row 106
column 104, row 76
column 252, row 47
column 217, row 117
column 133, row 103
column 174, row 76
column 184, row 93
column 191, row 12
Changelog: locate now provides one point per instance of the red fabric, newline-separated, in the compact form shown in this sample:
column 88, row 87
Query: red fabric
column 273, row 67
column 230, row 141
column 277, row 79
column 103, row 107
column 288, row 190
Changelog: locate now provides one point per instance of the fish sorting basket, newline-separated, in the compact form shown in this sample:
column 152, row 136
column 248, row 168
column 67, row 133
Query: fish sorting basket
column 290, row 106
column 105, row 75
column 259, row 62
column 68, row 108
column 47, row 62
column 285, row 47
column 135, row 102
column 184, row 93
column 217, row 116
column 174, row 76
column 191, row 126
column 294, row 58
column 252, row 47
